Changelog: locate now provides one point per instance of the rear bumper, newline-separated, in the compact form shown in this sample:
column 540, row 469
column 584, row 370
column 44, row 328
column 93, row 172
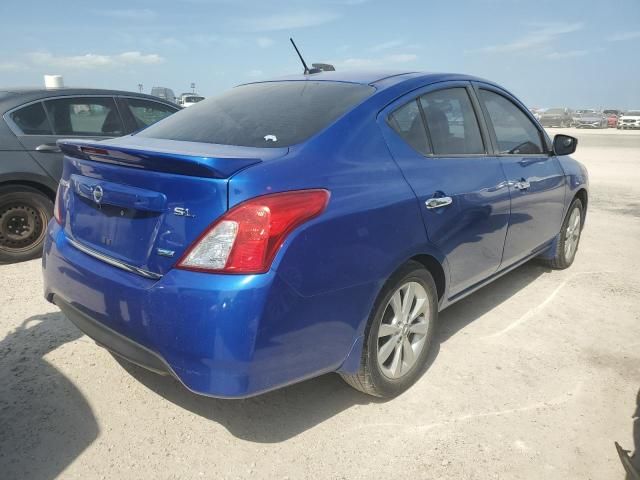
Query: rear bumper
column 112, row 340
column 230, row 336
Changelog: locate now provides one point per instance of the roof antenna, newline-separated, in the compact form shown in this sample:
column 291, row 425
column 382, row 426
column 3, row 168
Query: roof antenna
column 304, row 64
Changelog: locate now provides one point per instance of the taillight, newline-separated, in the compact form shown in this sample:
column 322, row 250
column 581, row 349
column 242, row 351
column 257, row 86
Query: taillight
column 247, row 238
column 57, row 206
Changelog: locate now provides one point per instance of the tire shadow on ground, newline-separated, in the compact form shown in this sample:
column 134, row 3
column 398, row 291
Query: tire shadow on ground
column 45, row 421
column 282, row 414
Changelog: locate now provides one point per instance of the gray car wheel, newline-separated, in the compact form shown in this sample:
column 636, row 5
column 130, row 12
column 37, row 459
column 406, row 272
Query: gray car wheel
column 24, row 215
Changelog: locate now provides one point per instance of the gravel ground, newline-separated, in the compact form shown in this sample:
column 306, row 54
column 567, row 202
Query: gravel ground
column 533, row 377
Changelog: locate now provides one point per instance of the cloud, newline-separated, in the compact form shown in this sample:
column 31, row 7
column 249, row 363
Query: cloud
column 387, row 45
column 286, row 21
column 129, row 14
column 402, row 58
column 91, row 60
column 264, row 42
column 619, row 37
column 378, row 61
column 540, row 36
column 566, row 54
column 11, row 67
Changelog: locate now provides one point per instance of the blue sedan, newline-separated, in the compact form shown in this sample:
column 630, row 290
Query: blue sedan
column 312, row 224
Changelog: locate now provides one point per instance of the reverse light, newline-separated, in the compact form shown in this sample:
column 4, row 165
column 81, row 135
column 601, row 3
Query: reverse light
column 247, row 238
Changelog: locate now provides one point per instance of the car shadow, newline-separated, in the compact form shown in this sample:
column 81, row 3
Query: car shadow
column 465, row 311
column 282, row 414
column 45, row 421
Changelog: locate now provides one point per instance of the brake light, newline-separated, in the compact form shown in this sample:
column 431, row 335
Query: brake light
column 57, row 206
column 247, row 238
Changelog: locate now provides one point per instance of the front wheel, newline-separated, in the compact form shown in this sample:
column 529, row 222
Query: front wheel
column 398, row 335
column 24, row 214
column 566, row 244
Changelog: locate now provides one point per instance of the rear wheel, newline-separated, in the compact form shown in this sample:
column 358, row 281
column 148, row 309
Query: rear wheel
column 568, row 238
column 24, row 214
column 399, row 333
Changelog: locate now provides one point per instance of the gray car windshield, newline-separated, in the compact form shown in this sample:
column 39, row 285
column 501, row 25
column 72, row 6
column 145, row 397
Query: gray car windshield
column 270, row 114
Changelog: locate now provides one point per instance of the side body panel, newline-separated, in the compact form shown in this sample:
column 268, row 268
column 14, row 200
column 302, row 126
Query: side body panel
column 470, row 231
column 19, row 167
column 537, row 209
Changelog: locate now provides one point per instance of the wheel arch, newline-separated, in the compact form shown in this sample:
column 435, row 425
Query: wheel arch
column 435, row 268
column 583, row 196
column 44, row 189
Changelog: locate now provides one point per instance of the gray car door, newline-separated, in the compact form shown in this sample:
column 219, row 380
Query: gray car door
column 93, row 117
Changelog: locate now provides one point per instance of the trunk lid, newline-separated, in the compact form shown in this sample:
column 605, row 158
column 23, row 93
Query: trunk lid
column 142, row 202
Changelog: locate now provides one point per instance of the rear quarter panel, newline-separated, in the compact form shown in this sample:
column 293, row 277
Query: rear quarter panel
column 337, row 263
column 19, row 167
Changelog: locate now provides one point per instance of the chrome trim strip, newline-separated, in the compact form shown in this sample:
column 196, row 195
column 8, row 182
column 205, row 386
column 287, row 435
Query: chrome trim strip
column 113, row 262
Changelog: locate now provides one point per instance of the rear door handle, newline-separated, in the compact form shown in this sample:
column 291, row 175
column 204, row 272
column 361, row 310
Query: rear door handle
column 437, row 202
column 48, row 148
column 521, row 185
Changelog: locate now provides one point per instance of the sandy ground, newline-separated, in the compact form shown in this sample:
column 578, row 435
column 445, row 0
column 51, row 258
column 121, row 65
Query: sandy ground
column 533, row 377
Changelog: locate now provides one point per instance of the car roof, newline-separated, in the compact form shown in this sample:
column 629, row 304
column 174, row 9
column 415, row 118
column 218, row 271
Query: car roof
column 379, row 78
column 13, row 97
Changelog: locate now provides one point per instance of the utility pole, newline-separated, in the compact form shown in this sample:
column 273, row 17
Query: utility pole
column 193, row 87
column 140, row 87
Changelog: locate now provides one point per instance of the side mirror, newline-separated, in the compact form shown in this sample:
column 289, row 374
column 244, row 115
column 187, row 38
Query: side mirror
column 564, row 145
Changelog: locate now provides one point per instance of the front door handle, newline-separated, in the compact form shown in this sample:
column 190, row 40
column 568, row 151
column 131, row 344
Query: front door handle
column 437, row 202
column 521, row 185
column 48, row 148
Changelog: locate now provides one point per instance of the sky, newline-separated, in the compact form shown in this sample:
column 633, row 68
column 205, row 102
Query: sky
column 575, row 53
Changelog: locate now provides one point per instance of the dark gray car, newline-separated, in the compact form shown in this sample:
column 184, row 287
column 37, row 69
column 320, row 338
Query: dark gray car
column 556, row 117
column 31, row 163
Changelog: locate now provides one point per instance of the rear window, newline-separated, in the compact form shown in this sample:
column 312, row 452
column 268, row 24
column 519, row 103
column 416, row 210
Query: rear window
column 272, row 114
column 32, row 120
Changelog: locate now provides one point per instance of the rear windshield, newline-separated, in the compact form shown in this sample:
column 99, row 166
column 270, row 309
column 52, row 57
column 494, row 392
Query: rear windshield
column 271, row 114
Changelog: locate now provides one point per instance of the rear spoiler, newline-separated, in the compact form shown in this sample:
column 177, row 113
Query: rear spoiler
column 179, row 164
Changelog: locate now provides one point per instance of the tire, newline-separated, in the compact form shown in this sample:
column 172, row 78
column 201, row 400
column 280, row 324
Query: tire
column 24, row 215
column 565, row 252
column 387, row 337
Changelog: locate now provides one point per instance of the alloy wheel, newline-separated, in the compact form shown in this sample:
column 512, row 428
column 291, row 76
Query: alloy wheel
column 572, row 235
column 403, row 330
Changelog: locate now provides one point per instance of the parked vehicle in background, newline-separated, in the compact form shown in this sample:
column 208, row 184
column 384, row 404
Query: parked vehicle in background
column 190, row 99
column 536, row 112
column 590, row 119
column 612, row 117
column 312, row 224
column 31, row 162
column 629, row 120
column 556, row 117
column 164, row 93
